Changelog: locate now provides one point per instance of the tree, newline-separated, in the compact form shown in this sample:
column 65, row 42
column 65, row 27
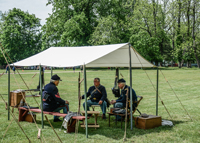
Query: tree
column 71, row 23
column 113, row 26
column 150, row 18
column 21, row 36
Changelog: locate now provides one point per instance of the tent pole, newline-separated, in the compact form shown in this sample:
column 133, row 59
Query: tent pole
column 85, row 96
column 130, row 70
column 41, row 96
column 157, row 92
column 51, row 71
column 8, row 92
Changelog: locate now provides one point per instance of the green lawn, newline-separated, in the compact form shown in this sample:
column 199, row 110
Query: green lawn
column 185, row 83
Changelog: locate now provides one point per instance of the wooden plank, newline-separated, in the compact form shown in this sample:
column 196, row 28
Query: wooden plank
column 91, row 112
column 53, row 113
column 95, row 105
column 32, row 95
column 90, row 125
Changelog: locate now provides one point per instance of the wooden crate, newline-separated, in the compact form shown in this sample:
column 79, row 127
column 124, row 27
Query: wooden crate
column 148, row 123
column 15, row 98
column 29, row 118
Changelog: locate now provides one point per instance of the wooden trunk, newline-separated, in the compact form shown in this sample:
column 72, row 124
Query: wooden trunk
column 29, row 118
column 71, row 126
column 148, row 123
column 15, row 98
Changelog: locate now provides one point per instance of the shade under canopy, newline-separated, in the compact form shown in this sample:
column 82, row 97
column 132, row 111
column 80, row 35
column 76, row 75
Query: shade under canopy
column 115, row 55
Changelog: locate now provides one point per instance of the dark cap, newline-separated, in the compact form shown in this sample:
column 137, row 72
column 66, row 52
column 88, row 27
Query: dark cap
column 121, row 80
column 55, row 77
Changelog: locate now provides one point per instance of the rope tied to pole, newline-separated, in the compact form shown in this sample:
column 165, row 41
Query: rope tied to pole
column 14, row 118
column 152, row 84
column 176, row 95
column 23, row 96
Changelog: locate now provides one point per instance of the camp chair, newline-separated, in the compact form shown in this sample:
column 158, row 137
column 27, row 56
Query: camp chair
column 140, row 98
column 123, row 115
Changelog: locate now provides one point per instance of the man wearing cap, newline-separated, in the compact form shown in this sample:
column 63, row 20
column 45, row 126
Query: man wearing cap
column 98, row 96
column 51, row 98
column 121, row 101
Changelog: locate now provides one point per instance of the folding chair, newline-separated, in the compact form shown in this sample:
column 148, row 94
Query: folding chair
column 140, row 98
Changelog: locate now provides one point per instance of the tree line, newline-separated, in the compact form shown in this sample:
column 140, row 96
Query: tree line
column 160, row 30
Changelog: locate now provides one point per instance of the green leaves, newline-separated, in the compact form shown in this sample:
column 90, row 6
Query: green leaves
column 20, row 34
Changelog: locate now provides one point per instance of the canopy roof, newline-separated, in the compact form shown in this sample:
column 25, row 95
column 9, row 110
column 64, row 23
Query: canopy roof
column 115, row 55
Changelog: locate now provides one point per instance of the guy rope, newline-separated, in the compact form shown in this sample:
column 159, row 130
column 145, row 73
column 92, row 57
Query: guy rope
column 176, row 95
column 153, row 85
column 169, row 86
column 23, row 96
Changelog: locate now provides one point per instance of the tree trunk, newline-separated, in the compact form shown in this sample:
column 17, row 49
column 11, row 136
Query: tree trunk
column 189, row 64
column 193, row 35
column 172, row 63
column 179, row 64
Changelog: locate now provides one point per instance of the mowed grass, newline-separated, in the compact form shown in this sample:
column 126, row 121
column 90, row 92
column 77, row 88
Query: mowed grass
column 185, row 83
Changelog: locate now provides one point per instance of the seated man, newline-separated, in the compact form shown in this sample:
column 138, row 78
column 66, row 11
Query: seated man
column 51, row 98
column 121, row 101
column 98, row 96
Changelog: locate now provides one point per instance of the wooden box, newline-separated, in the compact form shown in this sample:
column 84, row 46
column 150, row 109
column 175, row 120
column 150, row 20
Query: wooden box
column 148, row 123
column 29, row 118
column 15, row 98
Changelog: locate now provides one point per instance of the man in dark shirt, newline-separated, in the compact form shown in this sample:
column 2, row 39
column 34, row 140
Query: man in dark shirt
column 98, row 96
column 51, row 98
column 121, row 101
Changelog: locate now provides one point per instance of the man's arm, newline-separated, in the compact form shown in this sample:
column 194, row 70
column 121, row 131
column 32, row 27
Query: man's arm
column 104, row 94
column 58, row 99
column 55, row 95
column 121, row 99
column 88, row 93
column 134, row 97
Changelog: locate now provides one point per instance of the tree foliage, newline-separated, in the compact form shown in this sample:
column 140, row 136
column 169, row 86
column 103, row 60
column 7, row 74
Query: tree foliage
column 21, row 36
column 160, row 30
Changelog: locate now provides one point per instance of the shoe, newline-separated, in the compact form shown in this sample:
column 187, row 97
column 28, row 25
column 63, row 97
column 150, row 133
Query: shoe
column 57, row 120
column 103, row 116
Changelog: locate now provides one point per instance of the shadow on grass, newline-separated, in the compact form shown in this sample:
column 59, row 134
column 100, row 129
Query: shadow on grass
column 114, row 131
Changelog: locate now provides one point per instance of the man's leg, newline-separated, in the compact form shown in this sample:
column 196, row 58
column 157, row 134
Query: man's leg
column 103, row 108
column 118, row 105
column 89, row 103
column 64, row 108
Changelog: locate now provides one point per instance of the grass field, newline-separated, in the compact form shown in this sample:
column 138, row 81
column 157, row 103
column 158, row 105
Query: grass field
column 185, row 82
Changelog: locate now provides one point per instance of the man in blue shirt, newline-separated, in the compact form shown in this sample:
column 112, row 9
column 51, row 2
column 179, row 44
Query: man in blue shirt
column 125, row 91
column 51, row 98
column 98, row 96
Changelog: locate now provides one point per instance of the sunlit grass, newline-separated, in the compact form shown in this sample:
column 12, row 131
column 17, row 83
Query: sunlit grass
column 185, row 83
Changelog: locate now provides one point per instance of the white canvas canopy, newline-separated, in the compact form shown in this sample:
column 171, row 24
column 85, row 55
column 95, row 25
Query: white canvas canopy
column 115, row 55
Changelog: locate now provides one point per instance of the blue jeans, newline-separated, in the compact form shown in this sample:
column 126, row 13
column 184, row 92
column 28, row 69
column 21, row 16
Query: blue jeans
column 61, row 108
column 89, row 103
column 118, row 105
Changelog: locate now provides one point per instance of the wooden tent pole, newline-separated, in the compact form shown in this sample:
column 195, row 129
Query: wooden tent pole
column 85, row 96
column 130, row 70
column 8, row 92
column 157, row 92
column 41, row 96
